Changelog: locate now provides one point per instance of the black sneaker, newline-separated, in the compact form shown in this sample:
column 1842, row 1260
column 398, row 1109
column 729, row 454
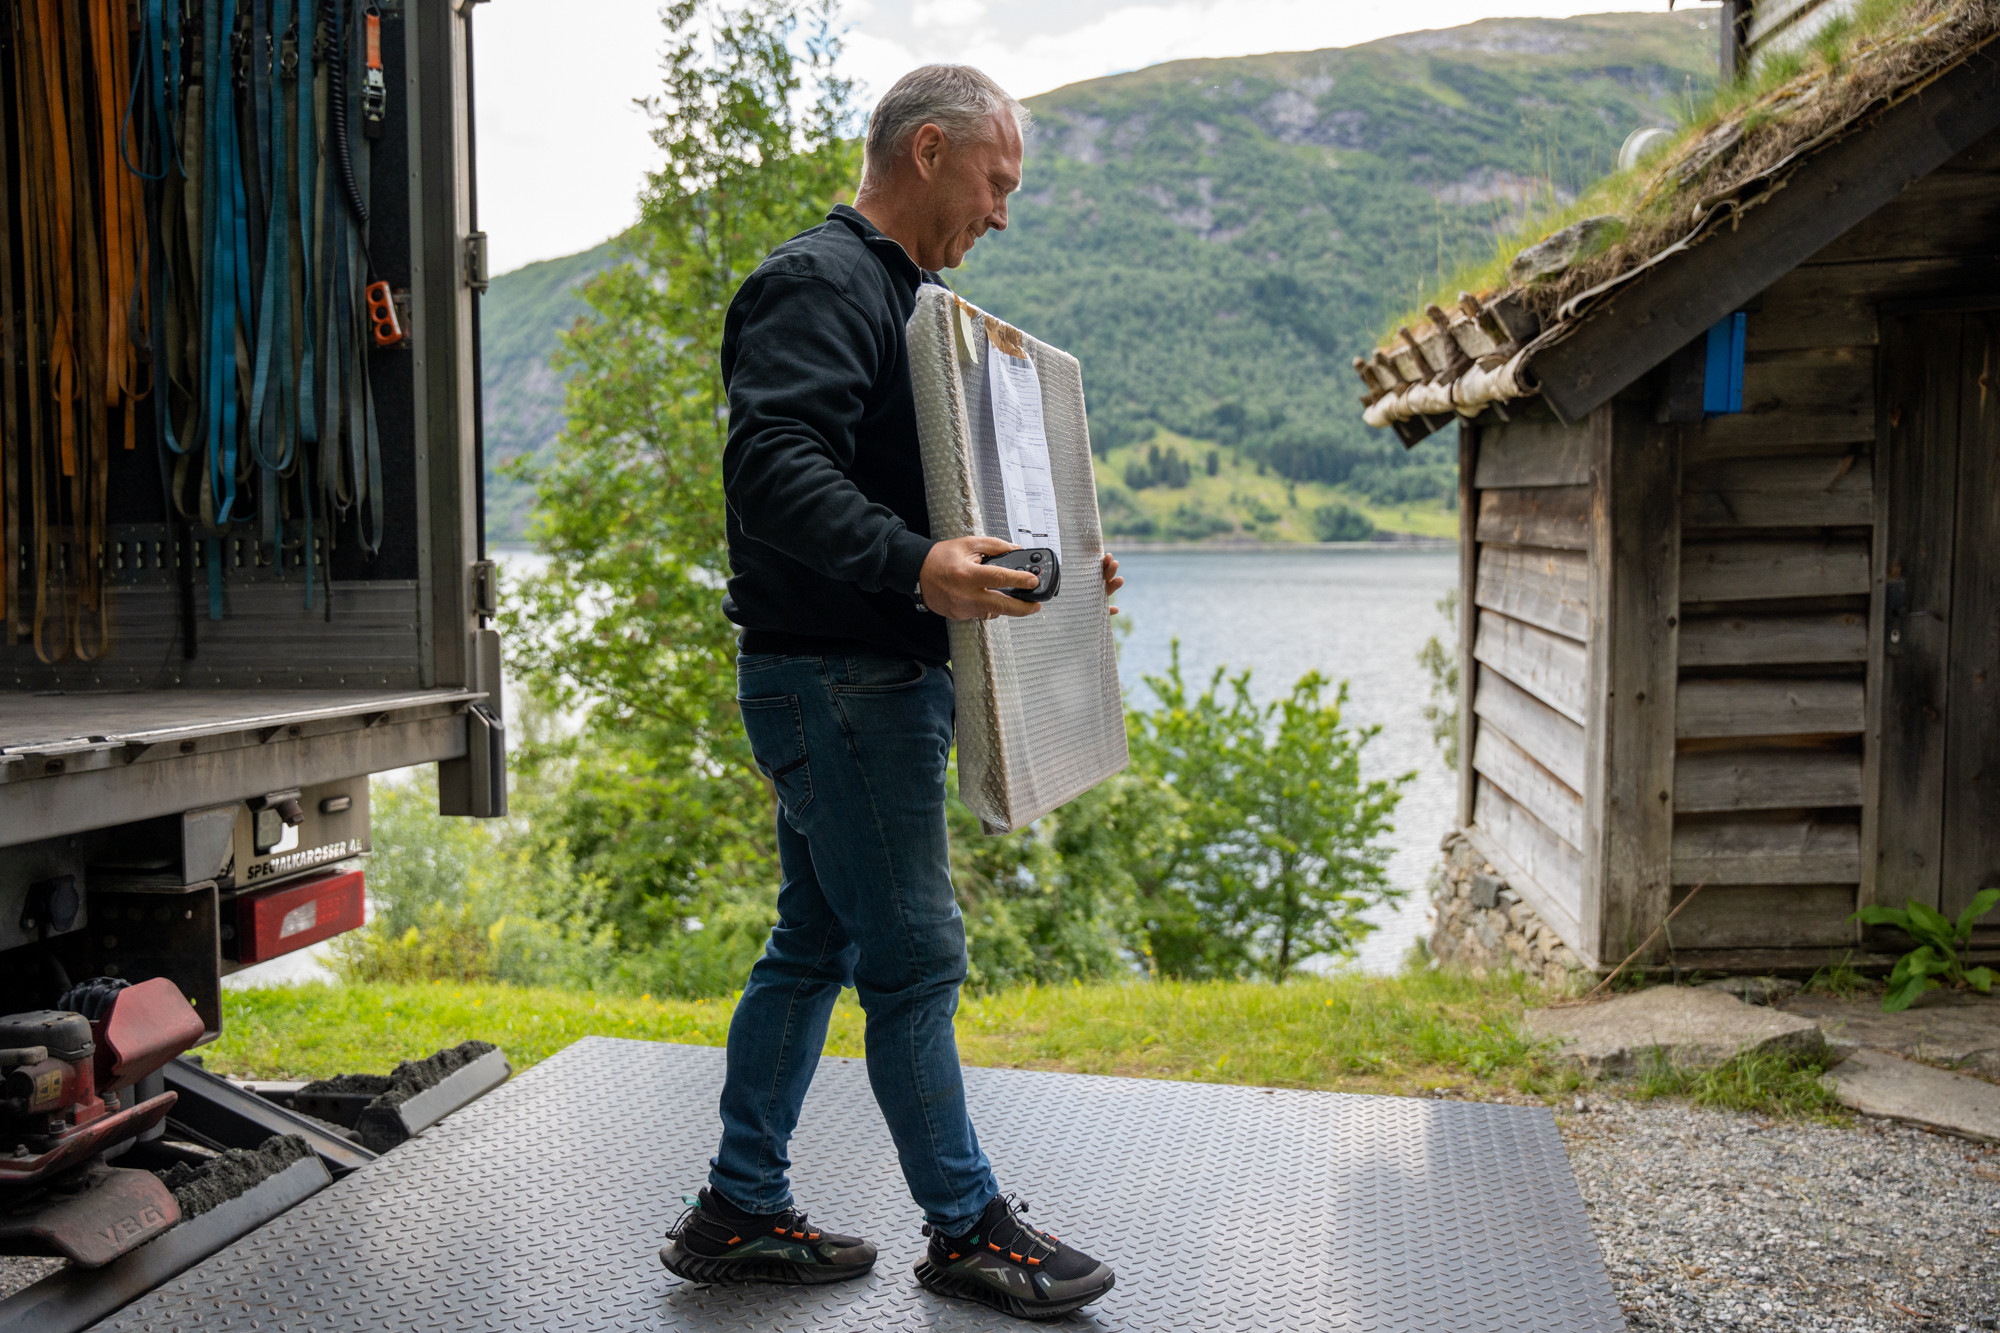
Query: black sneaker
column 715, row 1241
column 1012, row 1267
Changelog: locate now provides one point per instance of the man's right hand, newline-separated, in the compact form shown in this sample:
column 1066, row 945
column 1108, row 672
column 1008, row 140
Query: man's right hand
column 958, row 587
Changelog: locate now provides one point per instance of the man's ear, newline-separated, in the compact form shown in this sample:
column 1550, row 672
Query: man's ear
column 927, row 148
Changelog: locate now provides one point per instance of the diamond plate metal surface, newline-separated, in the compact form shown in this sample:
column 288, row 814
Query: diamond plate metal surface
column 541, row 1207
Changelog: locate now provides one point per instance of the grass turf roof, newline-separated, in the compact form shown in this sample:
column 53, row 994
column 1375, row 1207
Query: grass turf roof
column 1736, row 147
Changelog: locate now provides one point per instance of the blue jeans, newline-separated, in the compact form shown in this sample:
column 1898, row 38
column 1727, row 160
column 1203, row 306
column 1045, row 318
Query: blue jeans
column 856, row 747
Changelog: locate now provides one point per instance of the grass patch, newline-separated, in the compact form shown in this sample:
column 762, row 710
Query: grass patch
column 1421, row 1032
column 1763, row 1083
column 319, row 1030
column 1244, row 503
column 1407, row 1034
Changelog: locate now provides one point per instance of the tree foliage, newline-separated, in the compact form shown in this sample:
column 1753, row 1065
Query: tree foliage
column 1276, row 846
column 623, row 624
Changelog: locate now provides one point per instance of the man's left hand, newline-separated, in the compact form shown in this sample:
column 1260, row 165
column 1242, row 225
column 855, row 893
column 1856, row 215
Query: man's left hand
column 1112, row 582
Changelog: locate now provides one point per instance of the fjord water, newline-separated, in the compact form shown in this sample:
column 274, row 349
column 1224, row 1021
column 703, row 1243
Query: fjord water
column 1355, row 615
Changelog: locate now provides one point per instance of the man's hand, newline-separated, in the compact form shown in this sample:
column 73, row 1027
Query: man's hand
column 1112, row 583
column 958, row 587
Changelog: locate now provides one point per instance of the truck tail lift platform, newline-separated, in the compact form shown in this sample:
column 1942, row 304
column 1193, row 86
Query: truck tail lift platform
column 541, row 1207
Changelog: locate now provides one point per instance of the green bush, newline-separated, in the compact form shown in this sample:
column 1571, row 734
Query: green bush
column 1270, row 846
column 467, row 899
column 1339, row 522
column 443, row 944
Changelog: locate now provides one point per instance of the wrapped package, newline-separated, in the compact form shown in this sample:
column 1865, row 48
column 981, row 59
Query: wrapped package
column 1040, row 717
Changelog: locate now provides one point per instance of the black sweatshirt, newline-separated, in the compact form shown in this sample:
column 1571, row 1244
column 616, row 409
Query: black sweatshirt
column 828, row 526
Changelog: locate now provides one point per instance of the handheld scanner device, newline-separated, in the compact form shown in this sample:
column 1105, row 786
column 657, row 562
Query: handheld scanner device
column 1037, row 560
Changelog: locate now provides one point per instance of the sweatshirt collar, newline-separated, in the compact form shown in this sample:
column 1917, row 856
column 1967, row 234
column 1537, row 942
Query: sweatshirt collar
column 890, row 252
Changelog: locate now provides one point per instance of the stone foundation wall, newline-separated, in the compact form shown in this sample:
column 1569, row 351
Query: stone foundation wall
column 1481, row 925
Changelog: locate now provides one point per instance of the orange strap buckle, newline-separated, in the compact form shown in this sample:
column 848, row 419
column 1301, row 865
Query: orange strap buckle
column 382, row 314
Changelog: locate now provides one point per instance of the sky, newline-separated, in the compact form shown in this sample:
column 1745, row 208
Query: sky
column 563, row 150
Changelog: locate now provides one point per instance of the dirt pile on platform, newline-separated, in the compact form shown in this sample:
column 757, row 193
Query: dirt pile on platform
column 232, row 1173
column 408, row 1078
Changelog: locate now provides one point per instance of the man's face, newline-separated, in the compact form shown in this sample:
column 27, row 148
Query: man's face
column 967, row 188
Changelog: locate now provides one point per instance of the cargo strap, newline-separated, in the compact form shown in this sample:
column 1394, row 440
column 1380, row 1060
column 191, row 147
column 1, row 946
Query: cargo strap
column 74, row 372
column 184, row 217
column 272, row 425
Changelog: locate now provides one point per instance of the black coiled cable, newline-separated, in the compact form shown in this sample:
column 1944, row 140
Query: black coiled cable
column 336, row 86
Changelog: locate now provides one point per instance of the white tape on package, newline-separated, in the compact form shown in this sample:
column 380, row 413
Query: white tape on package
column 1040, row 718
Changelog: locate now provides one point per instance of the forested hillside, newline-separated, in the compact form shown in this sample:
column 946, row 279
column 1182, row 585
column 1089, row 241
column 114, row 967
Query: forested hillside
column 1215, row 239
column 520, row 317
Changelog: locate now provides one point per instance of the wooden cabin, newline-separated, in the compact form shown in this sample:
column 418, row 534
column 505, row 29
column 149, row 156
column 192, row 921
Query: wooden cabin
column 1730, row 549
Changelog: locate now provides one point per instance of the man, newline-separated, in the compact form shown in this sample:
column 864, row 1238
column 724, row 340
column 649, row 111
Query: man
column 842, row 597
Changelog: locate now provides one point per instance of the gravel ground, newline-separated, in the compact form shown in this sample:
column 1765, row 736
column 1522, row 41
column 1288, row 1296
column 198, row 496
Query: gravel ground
column 1712, row 1220
column 16, row 1273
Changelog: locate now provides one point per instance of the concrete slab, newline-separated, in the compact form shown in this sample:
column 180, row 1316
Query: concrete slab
column 1950, row 1027
column 1690, row 1026
column 1880, row 1084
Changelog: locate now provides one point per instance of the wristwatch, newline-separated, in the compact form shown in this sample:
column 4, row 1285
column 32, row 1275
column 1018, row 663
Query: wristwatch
column 918, row 593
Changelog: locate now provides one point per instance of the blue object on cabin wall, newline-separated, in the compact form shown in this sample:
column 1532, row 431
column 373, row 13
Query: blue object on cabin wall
column 1722, row 378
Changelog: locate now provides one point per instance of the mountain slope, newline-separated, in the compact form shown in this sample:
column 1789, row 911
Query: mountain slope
column 520, row 318
column 1215, row 239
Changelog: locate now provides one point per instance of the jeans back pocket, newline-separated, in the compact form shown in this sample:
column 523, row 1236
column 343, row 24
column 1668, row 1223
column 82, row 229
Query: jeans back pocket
column 778, row 743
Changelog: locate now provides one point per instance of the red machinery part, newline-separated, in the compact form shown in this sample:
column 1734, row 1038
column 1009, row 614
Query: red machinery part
column 48, row 1086
column 148, row 1025
column 89, row 1138
column 92, row 1221
column 278, row 921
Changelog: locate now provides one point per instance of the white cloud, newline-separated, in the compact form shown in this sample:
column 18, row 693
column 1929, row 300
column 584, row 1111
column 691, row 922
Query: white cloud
column 563, row 151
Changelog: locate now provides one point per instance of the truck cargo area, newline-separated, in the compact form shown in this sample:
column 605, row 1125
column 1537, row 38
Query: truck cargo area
column 240, row 510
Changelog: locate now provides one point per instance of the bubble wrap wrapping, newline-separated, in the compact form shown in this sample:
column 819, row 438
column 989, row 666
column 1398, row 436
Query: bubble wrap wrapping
column 1040, row 718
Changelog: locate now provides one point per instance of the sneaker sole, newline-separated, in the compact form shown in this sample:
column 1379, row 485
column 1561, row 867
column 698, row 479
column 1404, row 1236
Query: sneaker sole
column 934, row 1279
column 729, row 1272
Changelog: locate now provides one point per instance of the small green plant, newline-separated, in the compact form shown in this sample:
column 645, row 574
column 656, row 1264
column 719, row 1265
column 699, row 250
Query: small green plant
column 1839, row 978
column 1439, row 659
column 1938, row 960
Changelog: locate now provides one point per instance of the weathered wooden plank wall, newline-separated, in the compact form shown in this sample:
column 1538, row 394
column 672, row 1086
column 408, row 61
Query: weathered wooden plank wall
column 1526, row 506
column 1774, row 799
column 1636, row 595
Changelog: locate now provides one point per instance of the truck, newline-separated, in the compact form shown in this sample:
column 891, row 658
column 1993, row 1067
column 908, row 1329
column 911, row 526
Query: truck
column 241, row 490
